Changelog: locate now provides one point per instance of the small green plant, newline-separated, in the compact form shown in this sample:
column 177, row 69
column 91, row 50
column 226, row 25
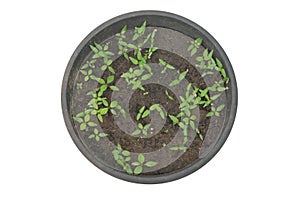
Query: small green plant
column 217, row 86
column 141, row 61
column 221, row 70
column 139, row 31
column 87, row 74
column 84, row 119
column 79, row 86
column 142, row 113
column 215, row 111
column 140, row 163
column 96, row 135
column 158, row 109
column 169, row 96
column 142, row 129
column 152, row 49
column 180, row 78
column 105, row 84
column 176, row 148
column 97, row 99
column 194, row 46
column 107, row 65
column 174, row 119
column 166, row 65
column 90, row 64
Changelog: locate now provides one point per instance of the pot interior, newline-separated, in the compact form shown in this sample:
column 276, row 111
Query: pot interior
column 148, row 96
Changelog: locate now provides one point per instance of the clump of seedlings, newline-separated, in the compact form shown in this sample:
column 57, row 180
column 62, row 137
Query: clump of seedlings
column 133, row 49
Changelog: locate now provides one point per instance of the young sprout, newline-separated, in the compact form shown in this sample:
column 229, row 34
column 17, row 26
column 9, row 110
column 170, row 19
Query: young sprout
column 141, row 61
column 166, row 66
column 107, row 65
column 174, row 119
column 158, row 109
column 96, row 135
column 90, row 64
column 141, row 129
column 87, row 74
column 142, row 113
column 105, row 84
column 215, row 111
column 169, row 97
column 139, row 31
column 84, row 119
column 79, row 86
column 194, row 46
column 180, row 78
column 140, row 163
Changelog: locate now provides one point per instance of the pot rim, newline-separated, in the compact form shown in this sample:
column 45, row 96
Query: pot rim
column 161, row 178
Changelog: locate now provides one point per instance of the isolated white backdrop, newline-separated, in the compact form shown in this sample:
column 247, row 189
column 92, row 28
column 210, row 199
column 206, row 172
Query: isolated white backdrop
column 260, row 160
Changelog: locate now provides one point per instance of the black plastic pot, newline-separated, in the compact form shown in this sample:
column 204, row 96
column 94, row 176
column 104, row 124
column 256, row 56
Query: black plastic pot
column 157, row 19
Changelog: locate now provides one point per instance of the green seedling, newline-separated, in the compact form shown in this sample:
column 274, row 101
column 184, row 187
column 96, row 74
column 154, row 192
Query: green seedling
column 97, row 99
column 207, row 56
column 122, row 32
column 215, row 111
column 152, row 49
column 90, row 64
column 203, row 98
column 218, row 86
column 181, row 148
column 174, row 119
column 138, row 165
column 194, row 46
column 180, row 78
column 79, row 86
column 166, row 66
column 107, row 65
column 221, row 70
column 84, row 119
column 169, row 97
column 96, row 135
column 158, row 109
column 87, row 74
column 141, row 61
column 142, row 113
column 142, row 129
column 139, row 31
column 105, row 84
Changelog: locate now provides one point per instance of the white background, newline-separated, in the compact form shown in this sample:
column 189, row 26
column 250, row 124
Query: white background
column 260, row 160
